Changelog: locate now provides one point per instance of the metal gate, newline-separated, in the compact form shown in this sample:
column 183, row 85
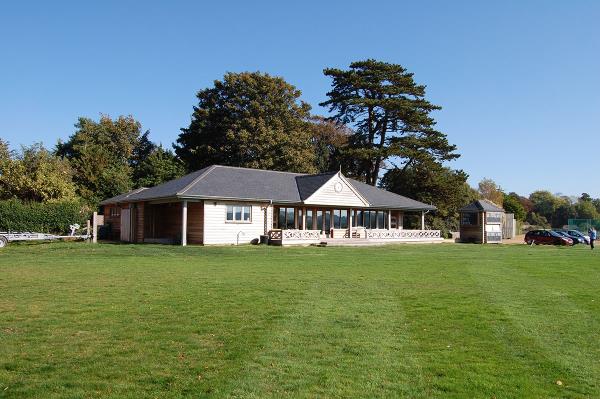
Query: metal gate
column 125, row 225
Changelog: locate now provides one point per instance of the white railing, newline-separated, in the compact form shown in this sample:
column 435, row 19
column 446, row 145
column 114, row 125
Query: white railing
column 294, row 236
column 301, row 234
column 393, row 234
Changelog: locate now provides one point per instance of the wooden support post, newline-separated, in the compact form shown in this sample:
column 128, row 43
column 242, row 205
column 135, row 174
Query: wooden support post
column 95, row 228
column 389, row 221
column 88, row 228
column 184, row 223
column 422, row 220
column 350, row 218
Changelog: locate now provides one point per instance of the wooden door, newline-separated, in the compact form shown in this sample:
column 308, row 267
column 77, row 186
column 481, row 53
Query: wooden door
column 125, row 225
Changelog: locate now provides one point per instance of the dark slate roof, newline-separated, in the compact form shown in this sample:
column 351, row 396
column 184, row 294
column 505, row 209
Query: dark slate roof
column 385, row 199
column 242, row 183
column 481, row 206
column 308, row 184
column 122, row 197
column 227, row 182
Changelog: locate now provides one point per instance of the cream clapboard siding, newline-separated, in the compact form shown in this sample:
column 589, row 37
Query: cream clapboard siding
column 326, row 195
column 218, row 231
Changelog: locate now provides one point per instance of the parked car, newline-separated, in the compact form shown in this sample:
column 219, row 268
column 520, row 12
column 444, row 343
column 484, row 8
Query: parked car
column 584, row 239
column 565, row 234
column 546, row 237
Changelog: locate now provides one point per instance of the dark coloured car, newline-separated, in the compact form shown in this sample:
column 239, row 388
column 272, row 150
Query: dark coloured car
column 565, row 234
column 583, row 239
column 546, row 237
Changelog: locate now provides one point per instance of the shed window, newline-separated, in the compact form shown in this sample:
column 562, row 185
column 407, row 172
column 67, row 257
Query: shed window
column 469, row 219
column 115, row 211
column 239, row 213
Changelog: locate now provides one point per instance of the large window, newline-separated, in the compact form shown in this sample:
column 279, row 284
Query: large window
column 309, row 219
column 319, row 219
column 285, row 219
column 340, row 219
column 239, row 213
column 358, row 220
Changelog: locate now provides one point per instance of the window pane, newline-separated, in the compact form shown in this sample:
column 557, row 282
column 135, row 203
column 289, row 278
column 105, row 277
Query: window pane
column 237, row 212
column 336, row 218
column 327, row 220
column 281, row 218
column 290, row 218
column 319, row 220
column 344, row 219
column 373, row 219
column 247, row 213
column 367, row 219
column 309, row 219
column 229, row 212
column 300, row 218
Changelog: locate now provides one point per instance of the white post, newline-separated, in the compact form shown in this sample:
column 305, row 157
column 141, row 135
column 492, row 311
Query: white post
column 303, row 218
column 422, row 220
column 184, row 224
column 389, row 221
column 95, row 228
column 350, row 218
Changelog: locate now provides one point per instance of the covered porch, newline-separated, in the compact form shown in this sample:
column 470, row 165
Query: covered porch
column 174, row 222
column 312, row 225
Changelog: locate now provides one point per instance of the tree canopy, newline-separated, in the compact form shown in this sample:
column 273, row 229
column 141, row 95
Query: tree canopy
column 110, row 157
column 390, row 115
column 489, row 190
column 329, row 140
column 34, row 174
column 249, row 119
column 432, row 183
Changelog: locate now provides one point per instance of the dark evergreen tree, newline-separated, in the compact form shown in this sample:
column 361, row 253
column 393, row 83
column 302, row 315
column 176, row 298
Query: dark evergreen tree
column 390, row 115
column 252, row 120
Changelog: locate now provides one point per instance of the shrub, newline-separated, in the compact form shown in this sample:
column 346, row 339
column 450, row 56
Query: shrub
column 48, row 217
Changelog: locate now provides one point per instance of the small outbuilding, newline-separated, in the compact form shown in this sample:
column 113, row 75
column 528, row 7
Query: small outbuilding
column 481, row 222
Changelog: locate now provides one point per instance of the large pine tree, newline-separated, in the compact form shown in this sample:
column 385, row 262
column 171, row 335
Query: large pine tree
column 390, row 115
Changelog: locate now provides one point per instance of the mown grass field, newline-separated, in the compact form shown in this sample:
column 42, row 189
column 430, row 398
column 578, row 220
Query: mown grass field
column 149, row 321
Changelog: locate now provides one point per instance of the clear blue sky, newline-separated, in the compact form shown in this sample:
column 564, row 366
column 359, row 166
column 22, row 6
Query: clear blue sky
column 519, row 81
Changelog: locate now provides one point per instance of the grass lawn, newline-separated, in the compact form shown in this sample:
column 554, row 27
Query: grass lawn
column 149, row 321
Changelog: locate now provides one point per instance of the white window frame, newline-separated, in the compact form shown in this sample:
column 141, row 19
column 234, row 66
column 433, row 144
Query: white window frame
column 238, row 221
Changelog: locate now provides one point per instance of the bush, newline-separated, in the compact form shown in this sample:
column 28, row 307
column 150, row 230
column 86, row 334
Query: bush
column 48, row 217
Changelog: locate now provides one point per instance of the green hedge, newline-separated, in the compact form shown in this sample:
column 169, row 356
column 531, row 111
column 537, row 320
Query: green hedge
column 52, row 217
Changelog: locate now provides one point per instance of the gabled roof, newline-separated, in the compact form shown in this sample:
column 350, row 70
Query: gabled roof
column 228, row 182
column 481, row 206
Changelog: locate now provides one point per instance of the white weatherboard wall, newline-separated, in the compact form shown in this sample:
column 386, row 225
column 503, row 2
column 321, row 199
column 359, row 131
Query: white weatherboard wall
column 327, row 194
column 218, row 231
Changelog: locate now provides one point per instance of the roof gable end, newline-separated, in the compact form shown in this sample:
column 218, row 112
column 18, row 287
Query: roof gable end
column 334, row 190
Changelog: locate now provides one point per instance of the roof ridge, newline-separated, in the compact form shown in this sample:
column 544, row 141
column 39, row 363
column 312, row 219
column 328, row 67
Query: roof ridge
column 207, row 171
column 318, row 174
column 262, row 170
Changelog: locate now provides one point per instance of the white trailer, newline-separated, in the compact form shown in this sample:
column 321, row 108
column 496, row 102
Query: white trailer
column 6, row 237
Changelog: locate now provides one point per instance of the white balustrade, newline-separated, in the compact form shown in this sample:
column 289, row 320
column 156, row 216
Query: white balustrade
column 301, row 234
column 392, row 234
